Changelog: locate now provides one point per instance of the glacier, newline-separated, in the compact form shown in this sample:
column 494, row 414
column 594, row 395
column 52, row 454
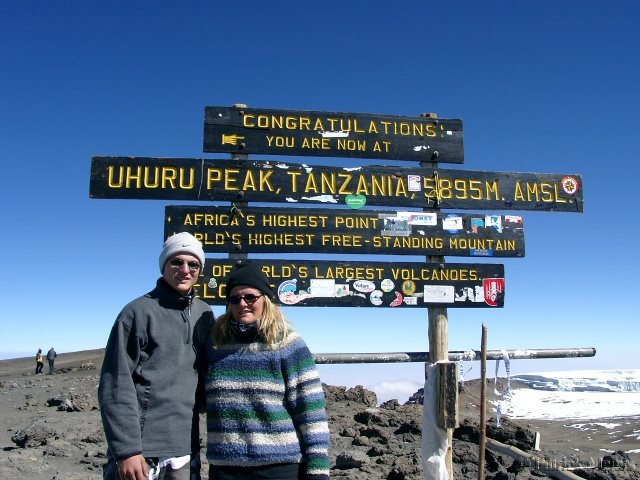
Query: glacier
column 583, row 380
column 580, row 394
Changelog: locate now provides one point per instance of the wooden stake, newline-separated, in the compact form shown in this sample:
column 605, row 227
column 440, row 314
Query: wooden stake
column 483, row 403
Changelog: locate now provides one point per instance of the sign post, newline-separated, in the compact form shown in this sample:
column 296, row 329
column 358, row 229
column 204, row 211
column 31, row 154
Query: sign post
column 438, row 334
column 314, row 230
column 239, row 129
column 373, row 284
column 352, row 227
column 234, row 180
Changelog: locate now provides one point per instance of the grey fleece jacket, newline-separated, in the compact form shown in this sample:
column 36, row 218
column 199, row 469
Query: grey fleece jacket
column 147, row 391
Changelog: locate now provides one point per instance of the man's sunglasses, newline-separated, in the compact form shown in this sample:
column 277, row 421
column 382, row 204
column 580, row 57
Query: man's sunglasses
column 177, row 263
column 249, row 299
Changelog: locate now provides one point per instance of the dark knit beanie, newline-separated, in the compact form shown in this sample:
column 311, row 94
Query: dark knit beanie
column 251, row 275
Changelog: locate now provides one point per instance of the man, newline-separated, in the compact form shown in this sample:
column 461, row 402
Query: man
column 39, row 361
column 150, row 374
column 51, row 356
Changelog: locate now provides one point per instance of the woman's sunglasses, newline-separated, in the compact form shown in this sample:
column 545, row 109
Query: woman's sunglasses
column 249, row 299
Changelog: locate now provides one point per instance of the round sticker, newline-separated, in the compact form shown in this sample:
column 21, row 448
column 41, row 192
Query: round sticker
column 287, row 292
column 570, row 185
column 387, row 285
column 376, row 297
column 364, row 286
column 288, row 286
column 408, row 287
column 355, row 201
column 289, row 298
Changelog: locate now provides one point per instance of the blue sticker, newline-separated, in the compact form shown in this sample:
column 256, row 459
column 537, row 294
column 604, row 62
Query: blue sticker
column 480, row 252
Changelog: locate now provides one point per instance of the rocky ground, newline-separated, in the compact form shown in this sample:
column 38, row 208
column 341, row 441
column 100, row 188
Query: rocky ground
column 50, row 429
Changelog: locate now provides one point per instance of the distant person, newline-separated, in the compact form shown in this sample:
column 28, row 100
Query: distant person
column 39, row 361
column 266, row 415
column 150, row 374
column 51, row 357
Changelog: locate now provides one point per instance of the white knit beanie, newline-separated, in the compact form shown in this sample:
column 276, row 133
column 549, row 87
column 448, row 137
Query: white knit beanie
column 182, row 242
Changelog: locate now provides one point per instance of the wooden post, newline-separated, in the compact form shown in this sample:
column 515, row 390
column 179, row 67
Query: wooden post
column 240, row 204
column 447, row 405
column 483, row 402
column 439, row 328
column 438, row 351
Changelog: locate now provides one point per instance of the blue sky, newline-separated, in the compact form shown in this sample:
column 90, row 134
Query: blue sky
column 540, row 86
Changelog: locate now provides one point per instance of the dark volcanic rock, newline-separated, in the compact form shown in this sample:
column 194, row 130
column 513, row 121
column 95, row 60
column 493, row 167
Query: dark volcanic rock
column 72, row 402
column 357, row 394
column 614, row 466
column 467, row 432
column 390, row 404
column 417, row 398
column 66, row 441
column 385, row 443
column 511, row 433
column 34, row 433
column 353, row 459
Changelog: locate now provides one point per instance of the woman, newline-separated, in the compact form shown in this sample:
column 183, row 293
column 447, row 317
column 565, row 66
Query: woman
column 266, row 415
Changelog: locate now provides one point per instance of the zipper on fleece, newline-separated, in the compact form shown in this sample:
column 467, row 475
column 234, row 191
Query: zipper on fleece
column 186, row 314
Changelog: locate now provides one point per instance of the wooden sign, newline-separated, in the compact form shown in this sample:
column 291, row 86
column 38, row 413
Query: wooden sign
column 367, row 284
column 332, row 134
column 226, row 180
column 346, row 231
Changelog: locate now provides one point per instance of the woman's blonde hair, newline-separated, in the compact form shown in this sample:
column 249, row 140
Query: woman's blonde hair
column 272, row 326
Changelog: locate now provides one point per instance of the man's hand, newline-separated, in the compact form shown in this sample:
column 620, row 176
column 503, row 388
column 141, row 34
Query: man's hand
column 133, row 468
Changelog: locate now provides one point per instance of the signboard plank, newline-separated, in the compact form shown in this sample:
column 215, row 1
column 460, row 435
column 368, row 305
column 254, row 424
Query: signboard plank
column 347, row 231
column 368, row 284
column 332, row 134
column 251, row 181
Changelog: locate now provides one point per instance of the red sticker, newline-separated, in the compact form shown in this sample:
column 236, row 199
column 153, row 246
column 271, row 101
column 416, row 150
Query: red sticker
column 493, row 288
column 570, row 185
column 398, row 300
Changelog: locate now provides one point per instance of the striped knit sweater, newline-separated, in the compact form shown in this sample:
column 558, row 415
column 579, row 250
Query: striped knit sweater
column 266, row 406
